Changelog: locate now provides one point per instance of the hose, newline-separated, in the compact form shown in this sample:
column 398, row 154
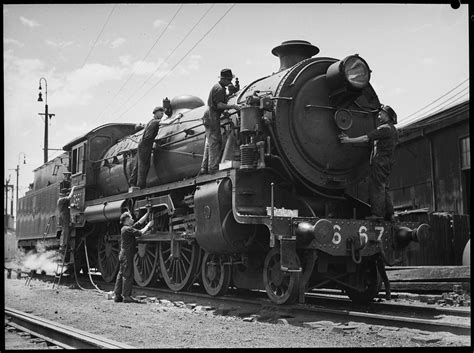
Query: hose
column 75, row 272
column 88, row 269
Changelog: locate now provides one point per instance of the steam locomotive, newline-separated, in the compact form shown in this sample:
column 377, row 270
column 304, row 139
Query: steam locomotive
column 277, row 216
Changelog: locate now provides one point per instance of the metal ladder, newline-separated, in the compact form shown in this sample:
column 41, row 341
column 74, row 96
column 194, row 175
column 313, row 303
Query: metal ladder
column 59, row 266
column 48, row 226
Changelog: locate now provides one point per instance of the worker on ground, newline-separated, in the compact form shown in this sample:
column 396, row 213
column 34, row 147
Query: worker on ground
column 128, row 233
column 384, row 139
column 217, row 103
column 142, row 162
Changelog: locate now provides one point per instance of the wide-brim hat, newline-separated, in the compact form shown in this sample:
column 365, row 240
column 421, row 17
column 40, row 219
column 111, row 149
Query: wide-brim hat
column 158, row 109
column 227, row 73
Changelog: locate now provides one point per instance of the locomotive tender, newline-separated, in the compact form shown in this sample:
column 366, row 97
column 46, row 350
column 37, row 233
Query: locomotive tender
column 277, row 215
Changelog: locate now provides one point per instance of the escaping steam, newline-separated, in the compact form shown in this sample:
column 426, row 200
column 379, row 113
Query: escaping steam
column 40, row 260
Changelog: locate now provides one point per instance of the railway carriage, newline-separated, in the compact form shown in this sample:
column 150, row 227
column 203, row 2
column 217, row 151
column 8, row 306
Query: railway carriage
column 276, row 216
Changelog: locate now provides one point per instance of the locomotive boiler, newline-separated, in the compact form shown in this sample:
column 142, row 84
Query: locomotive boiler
column 276, row 216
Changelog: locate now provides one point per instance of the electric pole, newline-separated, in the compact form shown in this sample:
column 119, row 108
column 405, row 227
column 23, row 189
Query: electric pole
column 47, row 116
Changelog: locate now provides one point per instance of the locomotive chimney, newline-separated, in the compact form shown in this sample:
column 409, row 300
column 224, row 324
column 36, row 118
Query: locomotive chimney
column 292, row 52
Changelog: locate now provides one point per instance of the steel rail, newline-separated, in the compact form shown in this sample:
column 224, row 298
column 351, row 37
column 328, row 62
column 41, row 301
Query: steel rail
column 389, row 305
column 58, row 334
column 361, row 316
column 435, row 324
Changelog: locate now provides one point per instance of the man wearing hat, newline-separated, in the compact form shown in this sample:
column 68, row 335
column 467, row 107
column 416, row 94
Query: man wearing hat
column 64, row 216
column 217, row 103
column 142, row 161
column 384, row 139
column 128, row 233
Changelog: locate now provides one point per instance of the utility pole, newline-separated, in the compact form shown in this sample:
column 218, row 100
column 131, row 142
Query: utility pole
column 17, row 170
column 47, row 116
column 8, row 186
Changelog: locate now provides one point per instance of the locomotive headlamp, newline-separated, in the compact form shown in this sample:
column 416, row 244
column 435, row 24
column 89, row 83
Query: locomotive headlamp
column 352, row 73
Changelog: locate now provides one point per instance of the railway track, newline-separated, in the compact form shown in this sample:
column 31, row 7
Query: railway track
column 385, row 314
column 332, row 307
column 56, row 334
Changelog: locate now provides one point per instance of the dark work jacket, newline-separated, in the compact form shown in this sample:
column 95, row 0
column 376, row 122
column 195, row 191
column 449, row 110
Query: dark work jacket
column 151, row 130
column 217, row 95
column 128, row 235
column 64, row 213
column 384, row 139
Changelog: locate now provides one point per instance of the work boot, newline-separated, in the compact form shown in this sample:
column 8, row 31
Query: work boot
column 118, row 298
column 131, row 300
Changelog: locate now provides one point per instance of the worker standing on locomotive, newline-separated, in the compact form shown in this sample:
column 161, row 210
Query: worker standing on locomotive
column 385, row 139
column 128, row 233
column 142, row 161
column 217, row 103
column 63, row 204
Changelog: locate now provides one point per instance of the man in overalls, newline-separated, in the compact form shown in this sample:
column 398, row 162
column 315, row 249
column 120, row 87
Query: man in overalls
column 384, row 139
column 128, row 233
column 217, row 103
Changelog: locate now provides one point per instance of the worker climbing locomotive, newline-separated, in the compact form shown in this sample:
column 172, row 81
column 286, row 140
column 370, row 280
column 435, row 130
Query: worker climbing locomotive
column 276, row 216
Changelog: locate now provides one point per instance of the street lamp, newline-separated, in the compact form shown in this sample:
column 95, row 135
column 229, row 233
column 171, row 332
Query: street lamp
column 46, row 116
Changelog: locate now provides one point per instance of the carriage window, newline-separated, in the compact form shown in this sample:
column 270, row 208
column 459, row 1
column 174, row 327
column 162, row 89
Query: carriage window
column 465, row 153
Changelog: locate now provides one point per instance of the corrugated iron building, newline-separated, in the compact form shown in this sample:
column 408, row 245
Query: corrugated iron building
column 431, row 181
column 433, row 163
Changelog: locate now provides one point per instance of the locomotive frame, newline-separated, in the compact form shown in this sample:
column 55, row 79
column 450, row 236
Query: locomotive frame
column 275, row 216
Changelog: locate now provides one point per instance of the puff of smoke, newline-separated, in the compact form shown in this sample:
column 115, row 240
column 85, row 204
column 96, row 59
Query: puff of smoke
column 41, row 259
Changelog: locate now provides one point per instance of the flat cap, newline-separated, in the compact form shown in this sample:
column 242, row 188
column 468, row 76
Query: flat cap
column 227, row 73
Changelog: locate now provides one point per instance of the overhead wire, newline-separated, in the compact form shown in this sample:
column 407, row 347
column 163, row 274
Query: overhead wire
column 101, row 31
column 169, row 55
column 443, row 104
column 447, row 101
column 426, row 106
column 184, row 57
column 449, row 105
column 143, row 59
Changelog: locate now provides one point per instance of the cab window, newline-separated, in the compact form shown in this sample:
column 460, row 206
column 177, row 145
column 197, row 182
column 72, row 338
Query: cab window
column 78, row 159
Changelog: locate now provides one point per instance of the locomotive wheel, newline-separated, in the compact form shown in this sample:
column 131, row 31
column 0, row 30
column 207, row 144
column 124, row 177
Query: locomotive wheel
column 215, row 275
column 179, row 266
column 108, row 255
column 371, row 281
column 145, row 263
column 281, row 287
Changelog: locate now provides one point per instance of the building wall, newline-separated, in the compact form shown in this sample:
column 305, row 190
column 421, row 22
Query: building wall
column 411, row 181
column 447, row 163
column 432, row 159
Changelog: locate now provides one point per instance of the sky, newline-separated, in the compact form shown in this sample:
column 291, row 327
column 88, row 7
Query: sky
column 107, row 63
